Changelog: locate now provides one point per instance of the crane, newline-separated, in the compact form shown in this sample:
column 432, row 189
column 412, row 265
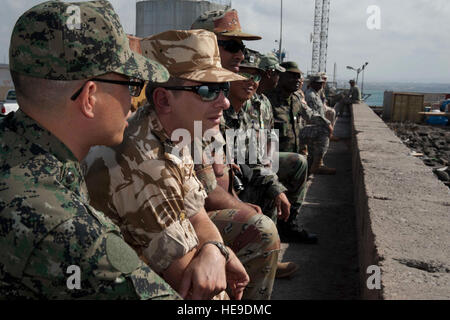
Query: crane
column 320, row 36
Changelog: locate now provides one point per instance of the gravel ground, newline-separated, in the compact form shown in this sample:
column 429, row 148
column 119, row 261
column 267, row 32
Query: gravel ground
column 432, row 143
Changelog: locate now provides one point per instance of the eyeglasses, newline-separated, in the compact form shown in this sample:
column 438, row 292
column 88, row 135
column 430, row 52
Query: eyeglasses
column 207, row 91
column 134, row 86
column 232, row 46
column 254, row 77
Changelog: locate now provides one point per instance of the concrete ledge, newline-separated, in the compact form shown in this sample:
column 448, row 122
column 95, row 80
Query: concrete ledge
column 402, row 213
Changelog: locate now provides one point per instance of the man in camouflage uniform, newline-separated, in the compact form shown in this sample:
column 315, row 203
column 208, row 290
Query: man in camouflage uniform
column 353, row 96
column 152, row 190
column 293, row 168
column 54, row 245
column 225, row 24
column 330, row 113
column 298, row 124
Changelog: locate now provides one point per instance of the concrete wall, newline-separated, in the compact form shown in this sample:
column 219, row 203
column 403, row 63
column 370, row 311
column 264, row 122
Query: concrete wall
column 403, row 215
column 155, row 16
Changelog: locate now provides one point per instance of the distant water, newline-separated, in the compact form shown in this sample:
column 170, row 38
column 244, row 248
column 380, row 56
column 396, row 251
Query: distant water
column 376, row 97
column 377, row 89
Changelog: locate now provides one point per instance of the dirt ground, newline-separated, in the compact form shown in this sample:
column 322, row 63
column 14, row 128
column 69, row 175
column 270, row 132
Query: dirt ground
column 329, row 269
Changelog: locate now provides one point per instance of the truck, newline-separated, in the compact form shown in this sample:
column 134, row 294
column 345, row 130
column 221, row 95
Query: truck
column 9, row 104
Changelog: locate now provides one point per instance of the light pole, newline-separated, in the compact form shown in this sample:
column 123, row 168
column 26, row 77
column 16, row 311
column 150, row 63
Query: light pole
column 358, row 71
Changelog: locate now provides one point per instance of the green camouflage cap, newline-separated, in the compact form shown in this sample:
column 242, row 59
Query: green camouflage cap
column 270, row 61
column 223, row 22
column 252, row 59
column 291, row 66
column 75, row 41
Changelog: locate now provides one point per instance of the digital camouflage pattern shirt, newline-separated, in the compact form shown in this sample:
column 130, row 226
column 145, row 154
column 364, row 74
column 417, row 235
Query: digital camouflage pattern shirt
column 256, row 114
column 290, row 116
column 47, row 225
column 148, row 189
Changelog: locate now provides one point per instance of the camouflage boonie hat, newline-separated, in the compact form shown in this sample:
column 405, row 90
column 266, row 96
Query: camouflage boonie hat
column 252, row 59
column 315, row 77
column 188, row 54
column 270, row 61
column 76, row 41
column 291, row 66
column 223, row 22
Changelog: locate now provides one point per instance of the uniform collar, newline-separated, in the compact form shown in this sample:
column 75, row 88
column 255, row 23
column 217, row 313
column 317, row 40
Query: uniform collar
column 32, row 131
column 70, row 174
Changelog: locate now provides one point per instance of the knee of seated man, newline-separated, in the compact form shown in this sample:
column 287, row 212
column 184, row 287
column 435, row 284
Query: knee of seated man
column 268, row 233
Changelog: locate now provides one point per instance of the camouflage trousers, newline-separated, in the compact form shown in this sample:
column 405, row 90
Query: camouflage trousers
column 330, row 114
column 254, row 239
column 293, row 174
column 317, row 139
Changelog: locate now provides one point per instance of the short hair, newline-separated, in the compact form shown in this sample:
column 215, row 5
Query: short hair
column 151, row 86
column 42, row 93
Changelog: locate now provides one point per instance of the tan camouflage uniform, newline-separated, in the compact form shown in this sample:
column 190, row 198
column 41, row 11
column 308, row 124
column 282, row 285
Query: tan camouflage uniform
column 46, row 223
column 253, row 237
column 148, row 191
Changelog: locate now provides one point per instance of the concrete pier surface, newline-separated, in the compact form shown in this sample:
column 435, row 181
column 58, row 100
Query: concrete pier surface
column 329, row 269
column 382, row 220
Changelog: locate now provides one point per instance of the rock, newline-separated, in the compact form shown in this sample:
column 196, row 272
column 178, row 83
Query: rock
column 443, row 176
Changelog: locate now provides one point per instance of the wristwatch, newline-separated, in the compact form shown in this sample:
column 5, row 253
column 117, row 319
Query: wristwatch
column 223, row 249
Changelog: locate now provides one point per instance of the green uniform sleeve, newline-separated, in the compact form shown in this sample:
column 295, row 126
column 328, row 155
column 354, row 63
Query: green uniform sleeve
column 79, row 260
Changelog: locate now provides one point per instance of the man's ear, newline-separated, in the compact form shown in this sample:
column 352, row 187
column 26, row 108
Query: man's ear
column 87, row 101
column 161, row 100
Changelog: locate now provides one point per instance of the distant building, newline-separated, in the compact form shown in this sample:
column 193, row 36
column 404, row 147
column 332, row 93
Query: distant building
column 5, row 80
column 155, row 16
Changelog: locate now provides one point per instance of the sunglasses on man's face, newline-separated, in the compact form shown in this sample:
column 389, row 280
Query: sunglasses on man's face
column 134, row 86
column 254, row 77
column 206, row 91
column 231, row 46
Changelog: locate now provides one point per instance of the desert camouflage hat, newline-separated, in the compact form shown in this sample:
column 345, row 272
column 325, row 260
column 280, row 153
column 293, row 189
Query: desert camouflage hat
column 270, row 61
column 223, row 22
column 252, row 59
column 75, row 41
column 188, row 54
column 315, row 77
column 291, row 66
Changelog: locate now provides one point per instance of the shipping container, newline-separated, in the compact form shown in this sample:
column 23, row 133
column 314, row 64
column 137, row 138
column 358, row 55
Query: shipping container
column 403, row 106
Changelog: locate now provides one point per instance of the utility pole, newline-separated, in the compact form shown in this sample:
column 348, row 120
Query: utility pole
column 280, row 58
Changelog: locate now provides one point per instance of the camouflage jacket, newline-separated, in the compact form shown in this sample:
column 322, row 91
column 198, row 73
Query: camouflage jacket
column 315, row 103
column 290, row 116
column 354, row 94
column 47, row 226
column 148, row 189
column 256, row 114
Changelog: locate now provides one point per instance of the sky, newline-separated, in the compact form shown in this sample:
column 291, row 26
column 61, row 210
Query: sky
column 411, row 45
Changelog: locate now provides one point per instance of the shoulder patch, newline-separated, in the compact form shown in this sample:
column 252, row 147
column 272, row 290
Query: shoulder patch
column 120, row 254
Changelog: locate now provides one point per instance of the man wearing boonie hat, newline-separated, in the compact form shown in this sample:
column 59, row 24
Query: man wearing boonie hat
column 73, row 88
column 225, row 24
column 320, row 138
column 153, row 191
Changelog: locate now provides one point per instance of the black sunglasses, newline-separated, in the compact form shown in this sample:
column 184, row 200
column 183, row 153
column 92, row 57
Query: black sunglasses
column 206, row 91
column 134, row 86
column 232, row 46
